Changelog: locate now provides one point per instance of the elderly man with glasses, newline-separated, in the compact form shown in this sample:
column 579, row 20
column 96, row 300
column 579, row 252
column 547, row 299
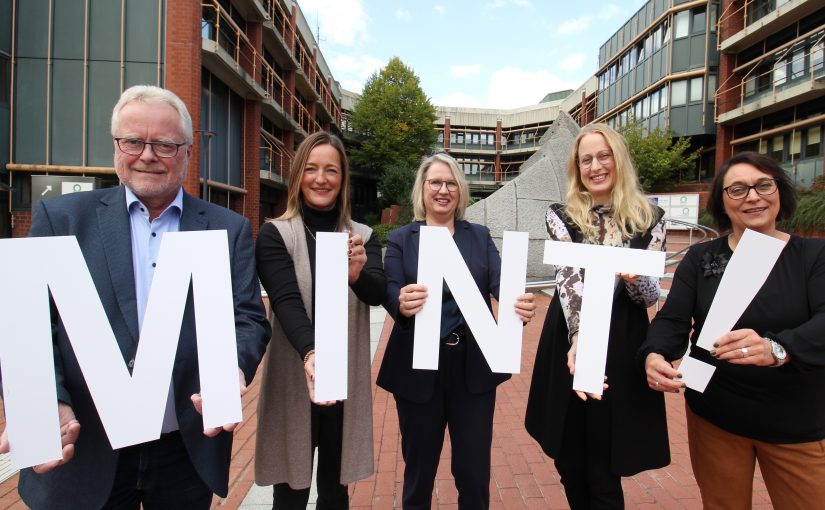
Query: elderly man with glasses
column 119, row 231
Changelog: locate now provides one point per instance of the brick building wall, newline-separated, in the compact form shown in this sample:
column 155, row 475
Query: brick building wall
column 182, row 66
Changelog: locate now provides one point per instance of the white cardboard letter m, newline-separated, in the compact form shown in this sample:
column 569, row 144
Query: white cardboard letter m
column 131, row 407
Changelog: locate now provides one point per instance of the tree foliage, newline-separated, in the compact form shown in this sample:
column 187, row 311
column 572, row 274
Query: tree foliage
column 658, row 156
column 395, row 118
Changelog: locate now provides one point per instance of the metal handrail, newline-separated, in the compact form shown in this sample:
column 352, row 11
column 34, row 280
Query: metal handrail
column 703, row 230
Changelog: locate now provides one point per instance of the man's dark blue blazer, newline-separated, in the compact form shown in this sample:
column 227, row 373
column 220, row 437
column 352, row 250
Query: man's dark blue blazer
column 100, row 221
column 401, row 267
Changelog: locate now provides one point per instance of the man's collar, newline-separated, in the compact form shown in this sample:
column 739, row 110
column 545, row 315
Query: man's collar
column 132, row 199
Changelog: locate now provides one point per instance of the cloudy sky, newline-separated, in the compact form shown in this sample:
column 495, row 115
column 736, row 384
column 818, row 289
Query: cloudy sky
column 482, row 53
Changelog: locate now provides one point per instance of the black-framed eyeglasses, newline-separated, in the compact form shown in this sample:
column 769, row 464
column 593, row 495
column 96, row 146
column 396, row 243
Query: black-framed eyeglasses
column 587, row 161
column 740, row 191
column 436, row 184
column 135, row 146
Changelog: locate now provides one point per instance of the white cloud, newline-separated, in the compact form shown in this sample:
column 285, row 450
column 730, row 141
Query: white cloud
column 440, row 9
column 402, row 13
column 352, row 71
column 458, row 99
column 463, row 71
column 609, row 11
column 575, row 25
column 572, row 62
column 511, row 87
column 342, row 21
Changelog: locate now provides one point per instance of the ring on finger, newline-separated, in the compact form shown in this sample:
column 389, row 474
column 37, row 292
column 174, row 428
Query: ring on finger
column 656, row 384
column 744, row 351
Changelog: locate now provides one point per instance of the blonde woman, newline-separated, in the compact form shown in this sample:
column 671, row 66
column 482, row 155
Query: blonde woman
column 290, row 425
column 597, row 440
column 461, row 394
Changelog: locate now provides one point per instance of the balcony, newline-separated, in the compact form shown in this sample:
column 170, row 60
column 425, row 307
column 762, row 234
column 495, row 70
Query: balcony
column 793, row 78
column 759, row 19
column 275, row 162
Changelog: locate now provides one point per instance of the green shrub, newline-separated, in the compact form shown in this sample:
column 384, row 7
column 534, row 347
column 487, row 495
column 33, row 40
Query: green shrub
column 382, row 230
column 810, row 213
column 706, row 219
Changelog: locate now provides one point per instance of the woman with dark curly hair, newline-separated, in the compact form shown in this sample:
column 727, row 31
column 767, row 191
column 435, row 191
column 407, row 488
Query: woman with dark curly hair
column 764, row 401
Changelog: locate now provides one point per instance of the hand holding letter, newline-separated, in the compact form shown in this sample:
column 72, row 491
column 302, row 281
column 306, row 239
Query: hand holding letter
column 69, row 432
column 743, row 347
column 197, row 401
column 309, row 372
column 411, row 299
column 357, row 257
column 571, row 365
column 661, row 376
column 526, row 307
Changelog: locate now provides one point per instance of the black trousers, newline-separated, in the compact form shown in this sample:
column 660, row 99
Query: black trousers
column 584, row 462
column 470, row 420
column 158, row 475
column 327, row 429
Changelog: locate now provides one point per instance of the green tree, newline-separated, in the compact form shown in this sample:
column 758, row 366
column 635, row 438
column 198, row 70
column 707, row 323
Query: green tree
column 658, row 156
column 395, row 118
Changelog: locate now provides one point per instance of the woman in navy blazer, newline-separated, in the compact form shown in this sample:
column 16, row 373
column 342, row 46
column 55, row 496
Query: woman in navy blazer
column 461, row 394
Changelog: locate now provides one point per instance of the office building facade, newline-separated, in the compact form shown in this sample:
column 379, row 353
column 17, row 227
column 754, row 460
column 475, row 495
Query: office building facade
column 660, row 69
column 771, row 96
column 250, row 72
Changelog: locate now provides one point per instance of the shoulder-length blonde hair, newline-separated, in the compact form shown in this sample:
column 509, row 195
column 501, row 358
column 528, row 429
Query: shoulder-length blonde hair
column 294, row 197
column 419, row 212
column 633, row 213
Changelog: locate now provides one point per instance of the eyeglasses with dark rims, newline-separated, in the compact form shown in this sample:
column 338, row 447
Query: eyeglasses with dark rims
column 435, row 184
column 739, row 191
column 135, row 146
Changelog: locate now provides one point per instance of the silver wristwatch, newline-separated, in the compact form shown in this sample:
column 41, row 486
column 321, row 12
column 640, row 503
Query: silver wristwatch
column 780, row 355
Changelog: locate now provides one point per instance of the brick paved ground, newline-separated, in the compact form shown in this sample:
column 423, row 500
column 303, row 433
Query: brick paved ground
column 522, row 476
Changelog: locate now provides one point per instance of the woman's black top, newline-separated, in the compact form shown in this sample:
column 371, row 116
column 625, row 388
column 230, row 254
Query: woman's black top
column 775, row 405
column 277, row 274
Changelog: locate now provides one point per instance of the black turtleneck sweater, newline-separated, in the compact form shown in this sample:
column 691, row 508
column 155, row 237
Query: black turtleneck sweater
column 277, row 274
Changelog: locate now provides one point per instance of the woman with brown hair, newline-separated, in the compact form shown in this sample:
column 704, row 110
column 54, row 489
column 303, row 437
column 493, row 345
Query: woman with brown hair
column 290, row 424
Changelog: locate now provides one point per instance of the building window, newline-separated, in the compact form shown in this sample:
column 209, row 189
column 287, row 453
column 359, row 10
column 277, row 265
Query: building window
column 780, row 72
column 679, row 93
column 813, row 143
column 798, row 63
column 4, row 79
column 777, row 148
column 796, row 144
column 696, row 89
column 817, row 52
column 663, row 96
column 681, row 24
column 698, row 21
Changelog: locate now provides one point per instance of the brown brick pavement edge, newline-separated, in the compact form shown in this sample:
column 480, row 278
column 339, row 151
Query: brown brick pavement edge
column 522, row 476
